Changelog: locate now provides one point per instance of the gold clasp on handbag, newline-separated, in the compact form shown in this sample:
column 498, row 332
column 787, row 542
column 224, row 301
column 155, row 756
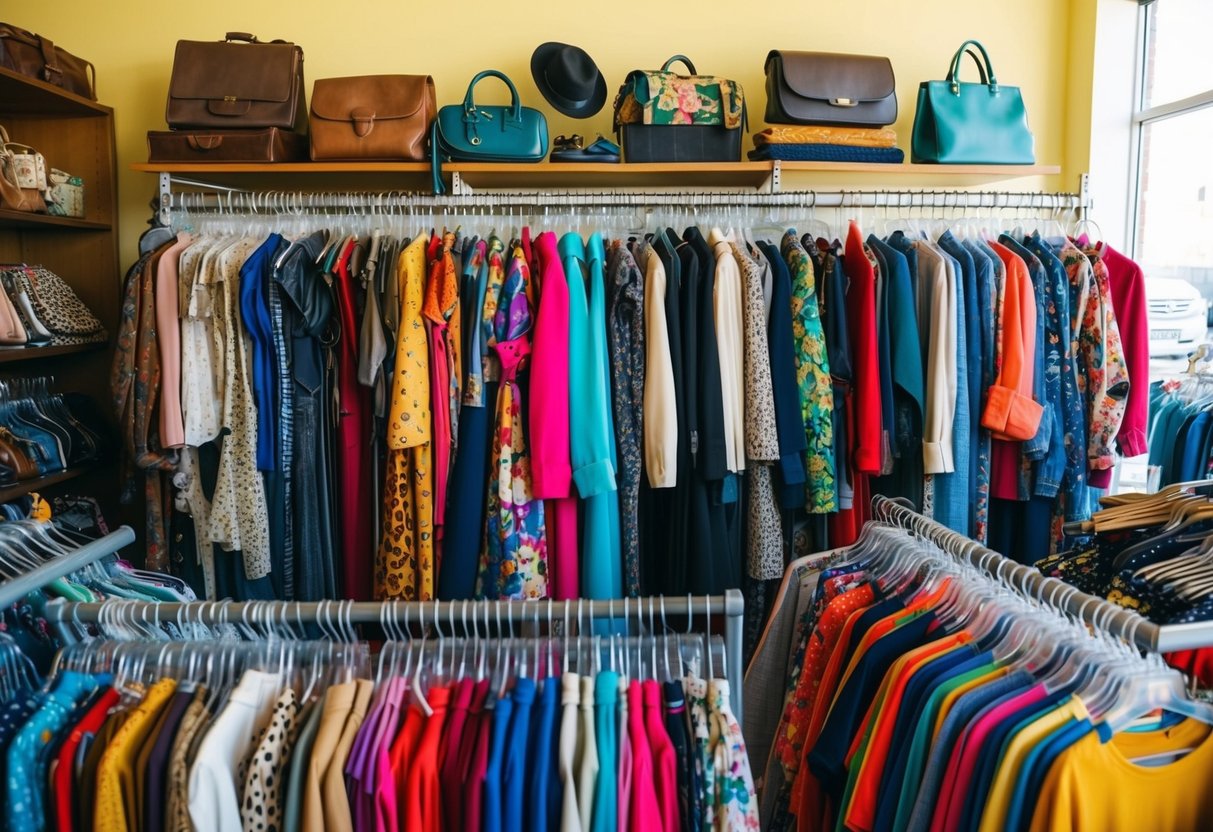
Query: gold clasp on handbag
column 844, row 102
column 229, row 98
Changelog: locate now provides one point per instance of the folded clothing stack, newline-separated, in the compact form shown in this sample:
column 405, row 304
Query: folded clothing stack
column 794, row 143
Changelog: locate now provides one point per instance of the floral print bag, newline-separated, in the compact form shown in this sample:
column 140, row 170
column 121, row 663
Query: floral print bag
column 664, row 97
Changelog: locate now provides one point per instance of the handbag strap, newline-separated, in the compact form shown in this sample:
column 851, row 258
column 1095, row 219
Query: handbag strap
column 469, row 103
column 685, row 61
column 987, row 77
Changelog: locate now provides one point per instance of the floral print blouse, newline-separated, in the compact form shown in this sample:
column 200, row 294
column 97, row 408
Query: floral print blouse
column 1103, row 375
column 813, row 377
column 513, row 561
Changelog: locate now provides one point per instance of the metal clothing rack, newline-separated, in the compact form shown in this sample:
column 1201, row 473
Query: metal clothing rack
column 1095, row 611
column 206, row 197
column 14, row 589
column 63, row 615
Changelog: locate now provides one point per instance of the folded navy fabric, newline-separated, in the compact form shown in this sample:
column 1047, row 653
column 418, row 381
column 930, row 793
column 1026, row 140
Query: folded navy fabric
column 826, row 153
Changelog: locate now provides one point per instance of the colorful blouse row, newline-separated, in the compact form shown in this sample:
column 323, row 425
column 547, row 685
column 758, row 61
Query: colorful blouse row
column 597, row 752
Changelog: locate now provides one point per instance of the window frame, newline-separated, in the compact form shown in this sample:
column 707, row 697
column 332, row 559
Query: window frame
column 1143, row 116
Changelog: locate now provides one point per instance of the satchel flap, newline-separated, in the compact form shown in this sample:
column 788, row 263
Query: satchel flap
column 376, row 97
column 829, row 76
column 217, row 71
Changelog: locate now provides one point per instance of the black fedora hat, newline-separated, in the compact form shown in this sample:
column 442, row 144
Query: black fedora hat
column 568, row 79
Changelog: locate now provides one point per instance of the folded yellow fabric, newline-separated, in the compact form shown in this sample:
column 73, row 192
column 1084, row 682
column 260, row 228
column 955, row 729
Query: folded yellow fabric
column 803, row 134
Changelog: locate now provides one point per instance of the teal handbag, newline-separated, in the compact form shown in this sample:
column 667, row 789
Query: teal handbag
column 960, row 123
column 470, row 132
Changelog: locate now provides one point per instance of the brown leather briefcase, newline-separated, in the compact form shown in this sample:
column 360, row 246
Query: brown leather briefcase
column 381, row 117
column 227, row 85
column 268, row 145
column 37, row 57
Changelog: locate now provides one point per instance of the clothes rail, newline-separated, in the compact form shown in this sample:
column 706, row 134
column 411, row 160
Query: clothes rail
column 1095, row 611
column 222, row 199
column 14, row 589
column 62, row 615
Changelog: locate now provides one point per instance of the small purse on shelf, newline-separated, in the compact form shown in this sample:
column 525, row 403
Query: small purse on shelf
column 961, row 123
column 16, row 169
column 471, row 132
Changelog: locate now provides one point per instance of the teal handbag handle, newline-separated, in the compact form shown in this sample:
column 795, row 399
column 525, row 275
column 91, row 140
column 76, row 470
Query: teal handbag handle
column 987, row 76
column 687, row 61
column 469, row 105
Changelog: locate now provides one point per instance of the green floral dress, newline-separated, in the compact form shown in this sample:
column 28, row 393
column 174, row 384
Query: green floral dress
column 813, row 377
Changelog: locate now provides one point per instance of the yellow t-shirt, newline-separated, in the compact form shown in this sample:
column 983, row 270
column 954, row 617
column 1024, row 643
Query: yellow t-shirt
column 999, row 797
column 1096, row 786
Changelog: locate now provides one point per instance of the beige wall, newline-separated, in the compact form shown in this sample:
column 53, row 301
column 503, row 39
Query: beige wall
column 1041, row 45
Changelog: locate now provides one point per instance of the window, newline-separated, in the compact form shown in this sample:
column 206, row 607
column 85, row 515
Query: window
column 1173, row 220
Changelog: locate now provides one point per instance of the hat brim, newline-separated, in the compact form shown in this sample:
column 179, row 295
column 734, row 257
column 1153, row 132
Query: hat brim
column 574, row 109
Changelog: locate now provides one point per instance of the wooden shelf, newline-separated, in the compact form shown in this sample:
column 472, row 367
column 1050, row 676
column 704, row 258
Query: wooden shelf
column 11, row 355
column 557, row 175
column 21, row 95
column 20, row 489
column 24, row 219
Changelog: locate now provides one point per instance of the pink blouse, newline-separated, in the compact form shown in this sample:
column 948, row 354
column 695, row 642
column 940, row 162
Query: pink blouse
column 551, row 462
column 168, row 335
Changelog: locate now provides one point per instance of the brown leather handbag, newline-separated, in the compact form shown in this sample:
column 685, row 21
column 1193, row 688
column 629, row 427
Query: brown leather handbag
column 14, row 455
column 37, row 57
column 381, row 117
column 239, row 82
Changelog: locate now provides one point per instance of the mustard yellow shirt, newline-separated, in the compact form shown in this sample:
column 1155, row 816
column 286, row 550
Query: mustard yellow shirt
column 1097, row 786
column 116, row 769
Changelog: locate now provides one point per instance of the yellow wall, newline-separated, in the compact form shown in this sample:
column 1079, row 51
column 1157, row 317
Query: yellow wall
column 131, row 42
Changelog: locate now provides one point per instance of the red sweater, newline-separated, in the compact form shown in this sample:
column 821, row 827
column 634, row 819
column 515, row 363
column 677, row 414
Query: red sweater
column 861, row 325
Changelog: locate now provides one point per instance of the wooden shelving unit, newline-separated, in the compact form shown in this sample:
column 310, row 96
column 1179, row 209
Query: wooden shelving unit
column 561, row 175
column 20, row 489
column 75, row 135
column 11, row 355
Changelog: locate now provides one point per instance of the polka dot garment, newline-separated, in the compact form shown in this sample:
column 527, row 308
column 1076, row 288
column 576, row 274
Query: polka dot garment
column 261, row 805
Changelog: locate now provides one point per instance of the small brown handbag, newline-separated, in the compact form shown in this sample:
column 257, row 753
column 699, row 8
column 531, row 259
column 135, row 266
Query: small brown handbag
column 379, row 117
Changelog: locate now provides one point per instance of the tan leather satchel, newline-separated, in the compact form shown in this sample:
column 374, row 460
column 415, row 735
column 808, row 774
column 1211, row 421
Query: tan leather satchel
column 227, row 85
column 374, row 117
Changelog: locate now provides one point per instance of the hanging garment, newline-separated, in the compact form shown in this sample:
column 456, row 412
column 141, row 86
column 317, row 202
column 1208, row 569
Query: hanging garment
column 406, row 556
column 627, row 346
column 463, row 541
column 570, row 751
column 353, row 445
column 813, row 379
column 307, row 308
column 441, row 311
column 549, row 420
column 514, row 561
column 214, row 795
column 590, row 426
